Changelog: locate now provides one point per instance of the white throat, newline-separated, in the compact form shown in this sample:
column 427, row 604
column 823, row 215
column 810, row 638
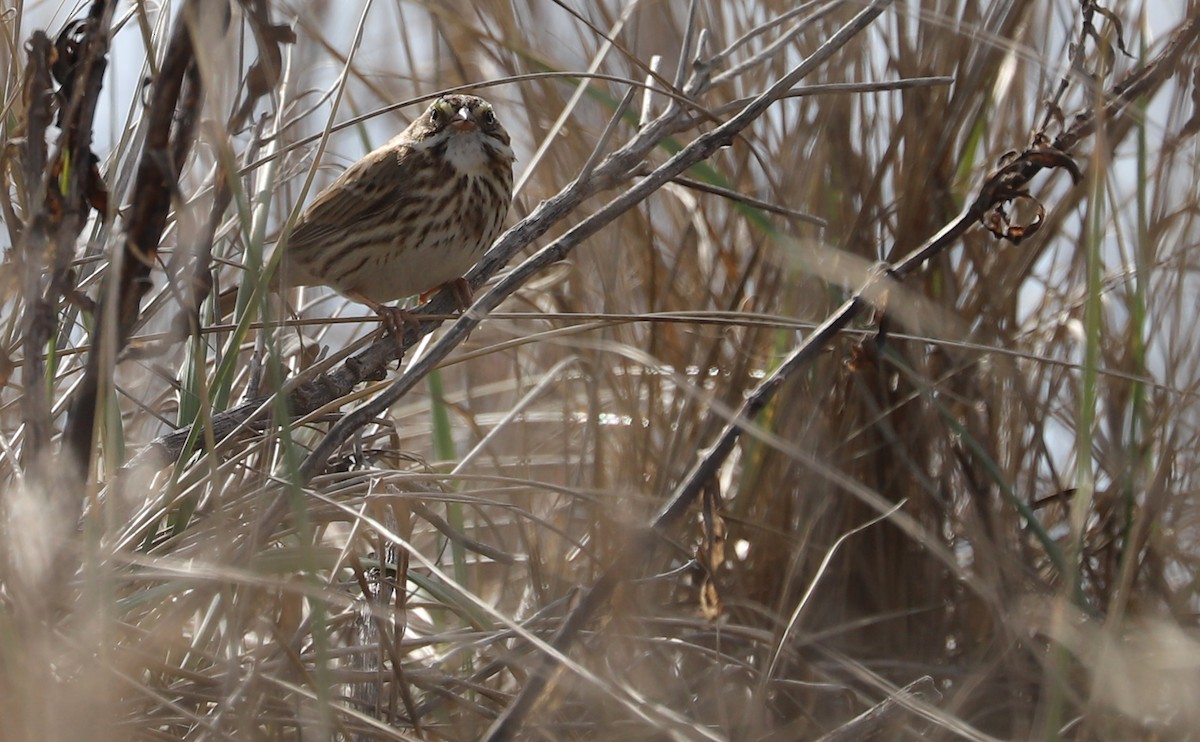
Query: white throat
column 467, row 153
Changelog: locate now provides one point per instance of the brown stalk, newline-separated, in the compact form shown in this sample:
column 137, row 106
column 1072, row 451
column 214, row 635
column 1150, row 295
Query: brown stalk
column 37, row 320
column 64, row 189
column 174, row 107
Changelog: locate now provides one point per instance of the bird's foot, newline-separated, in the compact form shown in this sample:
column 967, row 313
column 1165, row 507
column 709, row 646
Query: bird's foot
column 396, row 321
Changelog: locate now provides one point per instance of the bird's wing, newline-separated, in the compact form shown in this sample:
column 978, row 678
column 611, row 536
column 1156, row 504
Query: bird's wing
column 365, row 186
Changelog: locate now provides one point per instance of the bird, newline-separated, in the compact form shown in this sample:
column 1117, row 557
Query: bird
column 412, row 216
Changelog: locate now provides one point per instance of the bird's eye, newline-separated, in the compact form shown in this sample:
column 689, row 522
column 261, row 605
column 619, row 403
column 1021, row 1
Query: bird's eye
column 435, row 115
column 489, row 117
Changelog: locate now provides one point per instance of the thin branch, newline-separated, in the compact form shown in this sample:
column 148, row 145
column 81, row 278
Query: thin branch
column 36, row 321
column 173, row 105
column 872, row 721
column 63, row 189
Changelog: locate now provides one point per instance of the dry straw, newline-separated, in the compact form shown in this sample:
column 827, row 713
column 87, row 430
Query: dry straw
column 835, row 377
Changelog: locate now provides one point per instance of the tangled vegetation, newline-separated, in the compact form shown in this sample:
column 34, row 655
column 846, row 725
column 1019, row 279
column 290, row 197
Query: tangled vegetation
column 835, row 377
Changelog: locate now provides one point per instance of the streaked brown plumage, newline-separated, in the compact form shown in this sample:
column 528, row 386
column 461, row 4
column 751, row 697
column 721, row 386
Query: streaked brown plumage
column 411, row 216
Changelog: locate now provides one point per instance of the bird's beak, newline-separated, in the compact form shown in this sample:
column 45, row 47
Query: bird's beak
column 464, row 120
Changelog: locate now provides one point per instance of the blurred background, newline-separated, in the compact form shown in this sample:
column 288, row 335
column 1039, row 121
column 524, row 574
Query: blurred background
column 992, row 509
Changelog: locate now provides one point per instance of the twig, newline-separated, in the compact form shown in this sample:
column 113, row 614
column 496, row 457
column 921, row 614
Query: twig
column 36, row 322
column 771, row 49
column 872, row 721
column 741, row 198
column 174, row 105
column 60, row 201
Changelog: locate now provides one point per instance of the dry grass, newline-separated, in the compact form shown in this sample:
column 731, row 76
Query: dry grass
column 915, row 514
